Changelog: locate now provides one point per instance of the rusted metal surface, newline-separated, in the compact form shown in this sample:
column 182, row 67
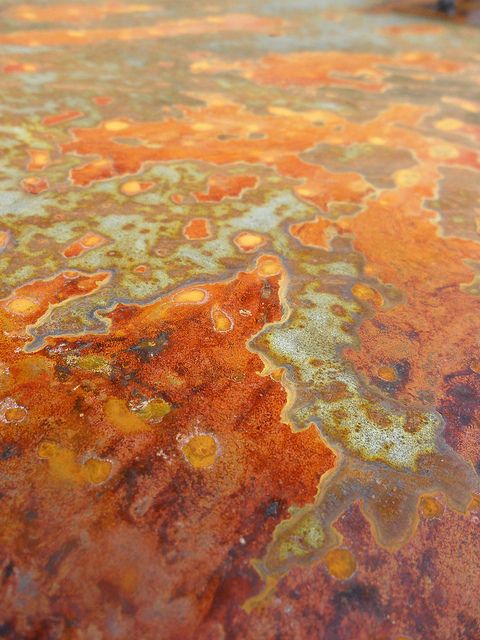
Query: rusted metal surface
column 239, row 360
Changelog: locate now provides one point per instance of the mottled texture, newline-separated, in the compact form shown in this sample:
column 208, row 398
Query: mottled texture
column 239, row 359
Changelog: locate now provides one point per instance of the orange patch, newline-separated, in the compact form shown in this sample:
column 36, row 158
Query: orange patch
column 34, row 185
column 226, row 186
column 87, row 242
column 197, row 229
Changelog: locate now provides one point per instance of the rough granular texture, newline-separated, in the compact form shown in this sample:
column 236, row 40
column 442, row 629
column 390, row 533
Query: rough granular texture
column 240, row 318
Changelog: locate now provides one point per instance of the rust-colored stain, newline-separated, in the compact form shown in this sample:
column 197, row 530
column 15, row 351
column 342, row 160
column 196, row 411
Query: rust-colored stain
column 239, row 357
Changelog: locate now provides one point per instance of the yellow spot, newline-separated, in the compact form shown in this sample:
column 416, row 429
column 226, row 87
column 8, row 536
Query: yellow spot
column 22, row 306
column 269, row 267
column 131, row 188
column 203, row 126
column 61, row 462
column 431, row 507
column 248, row 241
column 97, row 471
column 364, row 292
column 200, row 65
column 200, row 451
column 448, row 124
column 39, row 158
column 101, row 163
column 92, row 240
column 443, row 151
column 4, row 238
column 377, row 141
column 191, row 296
column 154, row 410
column 221, row 320
column 340, row 563
column 388, row 374
column 306, row 191
column 406, row 178
column 412, row 57
column 15, row 414
column 118, row 413
column 116, row 125
column 281, row 111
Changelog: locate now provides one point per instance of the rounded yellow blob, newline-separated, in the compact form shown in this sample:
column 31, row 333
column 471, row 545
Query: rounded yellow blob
column 364, row 292
column 377, row 141
column 131, row 188
column 100, row 163
column 78, row 33
column 406, row 178
column 15, row 414
column 200, row 451
column 199, row 66
column 221, row 320
column 306, row 191
column 448, row 124
column 431, row 507
column 191, row 296
column 203, row 126
column 22, row 305
column 92, row 240
column 116, row 125
column 249, row 241
column 4, row 238
column 269, row 267
column 97, row 471
column 39, row 158
column 443, row 151
column 340, row 563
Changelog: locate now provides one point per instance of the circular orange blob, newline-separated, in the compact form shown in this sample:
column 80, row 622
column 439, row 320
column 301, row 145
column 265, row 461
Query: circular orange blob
column 249, row 241
column 368, row 294
column 201, row 451
column 15, row 414
column 388, row 374
column 341, row 563
column 22, row 305
column 431, row 507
